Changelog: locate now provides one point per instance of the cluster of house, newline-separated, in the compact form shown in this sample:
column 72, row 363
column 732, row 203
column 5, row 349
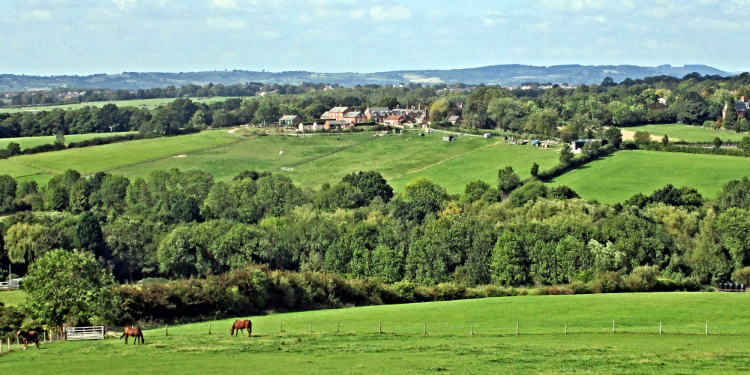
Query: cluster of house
column 741, row 107
column 343, row 118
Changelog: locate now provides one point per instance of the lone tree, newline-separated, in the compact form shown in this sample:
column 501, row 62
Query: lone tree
column 718, row 142
column 64, row 286
column 566, row 155
column 665, row 141
column 534, row 170
column 508, row 180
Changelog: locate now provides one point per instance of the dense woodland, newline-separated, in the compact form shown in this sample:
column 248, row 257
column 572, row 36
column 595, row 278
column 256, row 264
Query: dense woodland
column 181, row 225
column 555, row 112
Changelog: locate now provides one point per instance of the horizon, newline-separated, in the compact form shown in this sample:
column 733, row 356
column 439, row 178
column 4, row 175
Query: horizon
column 363, row 72
column 86, row 37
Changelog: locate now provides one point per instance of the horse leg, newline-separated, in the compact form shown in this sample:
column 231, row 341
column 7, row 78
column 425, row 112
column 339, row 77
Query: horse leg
column 37, row 343
column 126, row 339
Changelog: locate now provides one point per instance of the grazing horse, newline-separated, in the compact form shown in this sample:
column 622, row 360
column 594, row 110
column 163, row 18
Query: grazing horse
column 28, row 337
column 239, row 325
column 132, row 331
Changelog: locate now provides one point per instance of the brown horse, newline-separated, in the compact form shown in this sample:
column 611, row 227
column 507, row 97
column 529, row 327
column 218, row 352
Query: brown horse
column 239, row 325
column 28, row 337
column 132, row 331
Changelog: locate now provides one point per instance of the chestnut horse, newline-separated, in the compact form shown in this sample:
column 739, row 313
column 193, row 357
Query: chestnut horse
column 132, row 331
column 239, row 325
column 28, row 337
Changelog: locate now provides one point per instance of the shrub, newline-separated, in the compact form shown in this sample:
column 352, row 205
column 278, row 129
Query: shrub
column 741, row 276
column 642, row 279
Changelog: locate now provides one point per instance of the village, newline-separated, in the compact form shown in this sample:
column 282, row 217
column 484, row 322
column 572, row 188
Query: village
column 344, row 118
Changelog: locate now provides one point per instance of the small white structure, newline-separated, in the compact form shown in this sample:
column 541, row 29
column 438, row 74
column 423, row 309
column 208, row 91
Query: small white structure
column 281, row 152
column 84, row 333
column 488, row 135
column 11, row 285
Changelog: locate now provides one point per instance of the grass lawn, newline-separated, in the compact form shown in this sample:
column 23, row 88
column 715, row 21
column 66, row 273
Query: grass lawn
column 482, row 164
column 687, row 133
column 618, row 177
column 140, row 103
column 89, row 160
column 12, row 297
column 542, row 347
column 27, row 142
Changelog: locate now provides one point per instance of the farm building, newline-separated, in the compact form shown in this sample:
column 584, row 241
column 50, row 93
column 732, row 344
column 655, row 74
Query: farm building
column 354, row 117
column 290, row 120
column 740, row 106
column 336, row 125
column 578, row 144
column 395, row 119
column 454, row 120
column 337, row 113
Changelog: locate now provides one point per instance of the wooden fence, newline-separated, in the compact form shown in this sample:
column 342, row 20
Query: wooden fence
column 85, row 333
column 10, row 285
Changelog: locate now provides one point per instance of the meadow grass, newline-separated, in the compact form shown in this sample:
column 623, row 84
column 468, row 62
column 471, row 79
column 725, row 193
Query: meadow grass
column 13, row 297
column 482, row 164
column 90, row 160
column 589, row 346
column 688, row 133
column 140, row 103
column 617, row 177
column 27, row 142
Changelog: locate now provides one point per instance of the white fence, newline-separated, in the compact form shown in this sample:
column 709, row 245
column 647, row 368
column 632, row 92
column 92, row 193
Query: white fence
column 10, row 285
column 85, row 333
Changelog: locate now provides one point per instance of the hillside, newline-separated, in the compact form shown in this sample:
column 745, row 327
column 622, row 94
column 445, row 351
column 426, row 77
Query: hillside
column 495, row 74
column 448, row 346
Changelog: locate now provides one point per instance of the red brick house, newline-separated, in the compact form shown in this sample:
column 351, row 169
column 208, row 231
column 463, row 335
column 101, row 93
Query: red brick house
column 337, row 113
column 355, row 117
column 395, row 120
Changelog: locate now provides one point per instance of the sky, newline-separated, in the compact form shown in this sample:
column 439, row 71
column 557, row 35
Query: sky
column 54, row 37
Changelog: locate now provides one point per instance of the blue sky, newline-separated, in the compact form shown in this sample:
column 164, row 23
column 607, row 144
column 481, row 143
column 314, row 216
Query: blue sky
column 110, row 36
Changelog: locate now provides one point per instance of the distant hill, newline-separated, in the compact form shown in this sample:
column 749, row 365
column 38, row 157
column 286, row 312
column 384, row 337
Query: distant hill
column 491, row 75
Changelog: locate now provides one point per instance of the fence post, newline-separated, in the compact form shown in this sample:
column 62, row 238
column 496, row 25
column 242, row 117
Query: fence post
column 706, row 328
column 337, row 327
column 613, row 327
column 472, row 329
column 209, row 328
column 310, row 327
column 166, row 330
column 660, row 328
column 18, row 344
column 281, row 327
column 566, row 328
column 425, row 328
column 518, row 326
column 380, row 327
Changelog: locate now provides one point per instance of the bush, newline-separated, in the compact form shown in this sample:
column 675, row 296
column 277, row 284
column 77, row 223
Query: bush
column 741, row 276
column 642, row 279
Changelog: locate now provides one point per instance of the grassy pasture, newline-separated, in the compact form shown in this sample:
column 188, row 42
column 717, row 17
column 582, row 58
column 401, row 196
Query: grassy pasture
column 315, row 159
column 140, row 103
column 13, row 297
column 542, row 347
column 482, row 164
column 687, row 133
column 618, row 177
column 27, row 142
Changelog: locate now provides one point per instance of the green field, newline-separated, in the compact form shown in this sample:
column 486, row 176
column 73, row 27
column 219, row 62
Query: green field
column 27, row 142
column 140, row 103
column 617, row 177
column 688, row 133
column 12, row 297
column 590, row 346
column 314, row 159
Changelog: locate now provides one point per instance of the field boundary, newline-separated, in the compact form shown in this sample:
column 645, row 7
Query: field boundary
column 446, row 160
column 173, row 155
column 335, row 151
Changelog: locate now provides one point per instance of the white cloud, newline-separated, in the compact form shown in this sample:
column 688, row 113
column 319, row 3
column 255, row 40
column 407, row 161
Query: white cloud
column 358, row 13
column 390, row 13
column 124, row 4
column 225, row 4
column 38, row 15
column 221, row 23
column 494, row 18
